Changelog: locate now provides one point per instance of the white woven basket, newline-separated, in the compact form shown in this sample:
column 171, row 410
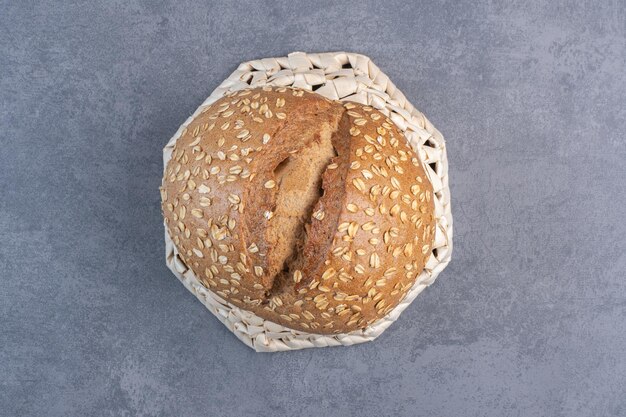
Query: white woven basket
column 346, row 77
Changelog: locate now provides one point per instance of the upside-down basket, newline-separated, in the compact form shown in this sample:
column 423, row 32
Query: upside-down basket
column 346, row 77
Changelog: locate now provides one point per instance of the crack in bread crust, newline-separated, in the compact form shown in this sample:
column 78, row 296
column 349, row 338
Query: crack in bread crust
column 276, row 215
column 327, row 209
column 299, row 182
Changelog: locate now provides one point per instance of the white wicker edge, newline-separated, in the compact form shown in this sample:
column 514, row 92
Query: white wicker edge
column 346, row 77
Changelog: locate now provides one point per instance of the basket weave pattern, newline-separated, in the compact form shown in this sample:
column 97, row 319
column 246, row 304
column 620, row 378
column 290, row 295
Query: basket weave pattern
column 345, row 77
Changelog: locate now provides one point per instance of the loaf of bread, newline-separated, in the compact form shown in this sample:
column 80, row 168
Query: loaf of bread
column 311, row 213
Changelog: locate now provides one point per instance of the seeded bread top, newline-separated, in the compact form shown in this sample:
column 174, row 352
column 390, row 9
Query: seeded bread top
column 308, row 212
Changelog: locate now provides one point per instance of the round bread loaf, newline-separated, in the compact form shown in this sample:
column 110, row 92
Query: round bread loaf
column 308, row 212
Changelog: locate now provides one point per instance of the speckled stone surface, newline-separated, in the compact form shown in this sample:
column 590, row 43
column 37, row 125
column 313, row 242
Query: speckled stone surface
column 529, row 319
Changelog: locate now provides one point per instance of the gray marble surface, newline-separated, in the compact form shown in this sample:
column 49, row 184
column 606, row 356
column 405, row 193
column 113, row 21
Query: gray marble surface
column 529, row 319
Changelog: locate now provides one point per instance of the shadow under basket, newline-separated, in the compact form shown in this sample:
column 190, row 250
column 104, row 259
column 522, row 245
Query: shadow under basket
column 346, row 77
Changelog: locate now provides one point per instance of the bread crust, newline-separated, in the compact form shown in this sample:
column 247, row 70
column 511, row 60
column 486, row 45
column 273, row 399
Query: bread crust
column 364, row 241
